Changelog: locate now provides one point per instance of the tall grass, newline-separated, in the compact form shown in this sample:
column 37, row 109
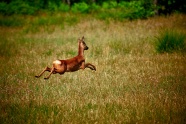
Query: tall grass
column 171, row 41
column 132, row 84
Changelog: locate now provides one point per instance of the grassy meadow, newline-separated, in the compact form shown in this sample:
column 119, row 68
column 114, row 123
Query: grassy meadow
column 133, row 82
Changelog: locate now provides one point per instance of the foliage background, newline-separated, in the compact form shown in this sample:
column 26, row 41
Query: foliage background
column 123, row 8
column 140, row 60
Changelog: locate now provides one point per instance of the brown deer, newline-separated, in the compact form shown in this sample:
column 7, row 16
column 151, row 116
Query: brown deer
column 70, row 65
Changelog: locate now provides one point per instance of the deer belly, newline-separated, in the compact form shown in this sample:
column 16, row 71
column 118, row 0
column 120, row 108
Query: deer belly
column 73, row 67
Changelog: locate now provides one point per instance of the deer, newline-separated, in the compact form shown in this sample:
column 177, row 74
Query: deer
column 70, row 65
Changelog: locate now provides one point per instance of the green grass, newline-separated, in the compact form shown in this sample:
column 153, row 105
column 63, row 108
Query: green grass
column 171, row 41
column 132, row 84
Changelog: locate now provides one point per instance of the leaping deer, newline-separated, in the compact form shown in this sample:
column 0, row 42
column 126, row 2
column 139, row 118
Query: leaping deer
column 70, row 65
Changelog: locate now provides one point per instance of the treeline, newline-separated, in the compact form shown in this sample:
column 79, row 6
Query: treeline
column 118, row 9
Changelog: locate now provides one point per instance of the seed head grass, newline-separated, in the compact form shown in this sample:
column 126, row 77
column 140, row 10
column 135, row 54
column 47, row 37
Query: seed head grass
column 132, row 84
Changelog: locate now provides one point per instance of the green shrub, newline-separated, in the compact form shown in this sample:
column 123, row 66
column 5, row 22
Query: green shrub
column 134, row 10
column 171, row 41
column 109, row 5
column 3, row 7
column 80, row 7
column 52, row 6
column 110, row 9
column 20, row 7
column 125, row 10
column 64, row 7
column 95, row 8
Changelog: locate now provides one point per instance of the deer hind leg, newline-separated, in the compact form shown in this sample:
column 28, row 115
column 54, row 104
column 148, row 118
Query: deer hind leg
column 51, row 72
column 92, row 67
column 46, row 69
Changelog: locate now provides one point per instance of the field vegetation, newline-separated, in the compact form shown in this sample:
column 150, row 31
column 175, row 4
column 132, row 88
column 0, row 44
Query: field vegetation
column 138, row 78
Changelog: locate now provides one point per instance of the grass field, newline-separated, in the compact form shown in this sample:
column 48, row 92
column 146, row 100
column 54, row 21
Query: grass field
column 133, row 83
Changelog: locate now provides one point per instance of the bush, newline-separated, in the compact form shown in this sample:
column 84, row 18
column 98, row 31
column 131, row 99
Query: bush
column 3, row 7
column 16, row 7
column 171, row 41
column 80, row 7
column 125, row 10
column 52, row 6
column 64, row 7
column 95, row 8
column 109, row 9
column 134, row 10
column 109, row 5
column 19, row 7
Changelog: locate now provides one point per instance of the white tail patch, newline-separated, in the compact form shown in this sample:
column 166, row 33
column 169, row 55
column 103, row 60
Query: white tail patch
column 57, row 62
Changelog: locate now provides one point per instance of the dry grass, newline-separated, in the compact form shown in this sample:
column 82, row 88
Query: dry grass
column 132, row 84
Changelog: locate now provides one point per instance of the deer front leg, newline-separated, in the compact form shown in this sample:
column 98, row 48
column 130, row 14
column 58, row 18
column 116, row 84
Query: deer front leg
column 46, row 69
column 92, row 67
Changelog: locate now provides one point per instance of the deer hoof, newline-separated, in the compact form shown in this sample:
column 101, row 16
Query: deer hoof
column 94, row 69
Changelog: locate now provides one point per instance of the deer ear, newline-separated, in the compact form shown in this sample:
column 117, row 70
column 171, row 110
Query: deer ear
column 83, row 38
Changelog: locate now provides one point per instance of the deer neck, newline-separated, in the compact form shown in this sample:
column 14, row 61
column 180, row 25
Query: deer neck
column 80, row 51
